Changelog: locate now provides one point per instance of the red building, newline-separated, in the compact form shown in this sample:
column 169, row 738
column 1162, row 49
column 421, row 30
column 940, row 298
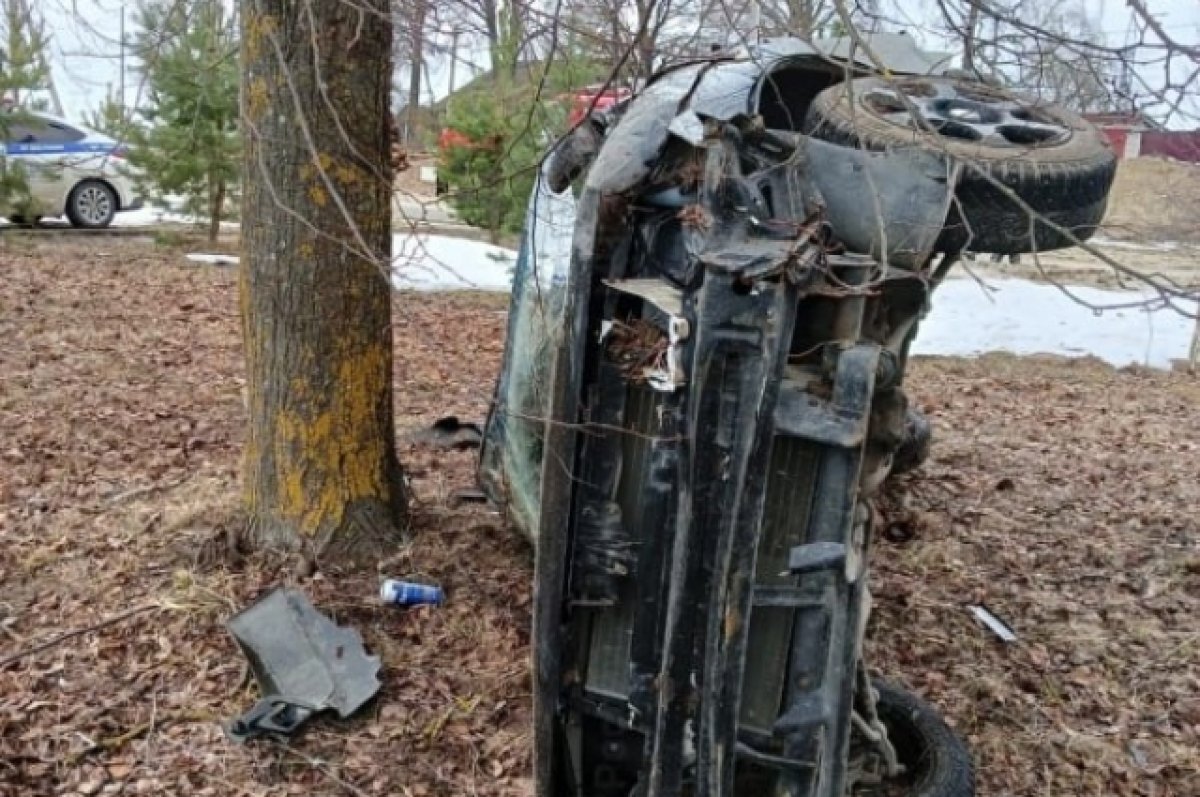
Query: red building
column 1134, row 135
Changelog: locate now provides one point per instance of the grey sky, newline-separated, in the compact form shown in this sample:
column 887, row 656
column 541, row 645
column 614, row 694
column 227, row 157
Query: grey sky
column 86, row 50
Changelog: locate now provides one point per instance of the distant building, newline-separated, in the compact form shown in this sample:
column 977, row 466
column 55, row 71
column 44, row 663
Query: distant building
column 1135, row 135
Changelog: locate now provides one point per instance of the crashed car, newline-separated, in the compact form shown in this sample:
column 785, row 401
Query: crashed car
column 702, row 390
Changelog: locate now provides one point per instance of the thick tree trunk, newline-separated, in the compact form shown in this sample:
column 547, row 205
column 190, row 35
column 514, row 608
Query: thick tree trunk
column 321, row 473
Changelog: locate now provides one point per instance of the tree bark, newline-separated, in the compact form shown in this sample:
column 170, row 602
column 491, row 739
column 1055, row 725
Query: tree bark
column 969, row 31
column 320, row 472
column 216, row 207
column 416, row 58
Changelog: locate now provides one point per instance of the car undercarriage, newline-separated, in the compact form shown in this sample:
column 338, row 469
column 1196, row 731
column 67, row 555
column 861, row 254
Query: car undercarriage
column 703, row 390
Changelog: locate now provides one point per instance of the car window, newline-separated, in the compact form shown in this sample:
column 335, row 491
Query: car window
column 57, row 132
column 41, row 131
column 510, row 465
column 19, row 133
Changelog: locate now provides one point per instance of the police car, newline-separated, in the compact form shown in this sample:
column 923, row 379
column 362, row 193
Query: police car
column 70, row 171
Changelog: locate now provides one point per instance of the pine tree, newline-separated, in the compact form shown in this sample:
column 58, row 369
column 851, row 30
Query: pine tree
column 111, row 119
column 185, row 139
column 22, row 70
column 501, row 127
column 23, row 54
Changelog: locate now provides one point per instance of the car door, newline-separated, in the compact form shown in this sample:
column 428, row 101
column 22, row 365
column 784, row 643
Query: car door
column 44, row 151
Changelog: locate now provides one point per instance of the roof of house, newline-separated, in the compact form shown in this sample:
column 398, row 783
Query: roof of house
column 1131, row 119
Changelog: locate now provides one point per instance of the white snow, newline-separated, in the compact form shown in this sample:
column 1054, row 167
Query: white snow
column 1025, row 317
column 212, row 260
column 144, row 217
column 438, row 263
column 153, row 216
column 1136, row 246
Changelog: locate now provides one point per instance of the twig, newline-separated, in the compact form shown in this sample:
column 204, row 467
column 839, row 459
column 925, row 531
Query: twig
column 324, row 769
column 111, row 743
column 139, row 492
column 58, row 640
column 13, row 634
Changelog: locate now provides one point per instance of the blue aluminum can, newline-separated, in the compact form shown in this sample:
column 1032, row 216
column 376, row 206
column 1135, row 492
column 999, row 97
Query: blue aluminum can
column 406, row 593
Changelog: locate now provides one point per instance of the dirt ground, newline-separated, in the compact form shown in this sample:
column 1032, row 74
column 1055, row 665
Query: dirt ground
column 1154, row 199
column 409, row 180
column 1061, row 495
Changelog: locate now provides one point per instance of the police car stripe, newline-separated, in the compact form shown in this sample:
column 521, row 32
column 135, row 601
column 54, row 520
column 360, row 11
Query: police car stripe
column 73, row 148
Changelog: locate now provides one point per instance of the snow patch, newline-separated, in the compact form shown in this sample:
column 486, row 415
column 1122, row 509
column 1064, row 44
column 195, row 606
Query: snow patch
column 152, row 216
column 213, row 260
column 1136, row 246
column 1024, row 317
column 438, row 263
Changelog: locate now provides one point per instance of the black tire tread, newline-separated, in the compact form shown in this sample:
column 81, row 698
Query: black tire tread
column 916, row 444
column 947, row 770
column 1068, row 183
column 73, row 217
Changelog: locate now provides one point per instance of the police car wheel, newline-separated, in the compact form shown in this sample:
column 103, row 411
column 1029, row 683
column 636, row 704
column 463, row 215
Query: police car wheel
column 92, row 205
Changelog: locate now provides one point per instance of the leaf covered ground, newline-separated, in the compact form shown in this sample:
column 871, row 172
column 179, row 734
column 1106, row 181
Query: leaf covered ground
column 1062, row 495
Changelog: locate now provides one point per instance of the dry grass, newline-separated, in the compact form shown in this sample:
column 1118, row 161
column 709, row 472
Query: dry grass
column 1154, row 199
column 1061, row 494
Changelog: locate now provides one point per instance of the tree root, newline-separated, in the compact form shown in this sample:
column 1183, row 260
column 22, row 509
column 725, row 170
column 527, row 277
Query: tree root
column 368, row 535
column 227, row 546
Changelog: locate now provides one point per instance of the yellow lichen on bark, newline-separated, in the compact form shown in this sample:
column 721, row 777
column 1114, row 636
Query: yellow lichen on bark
column 321, row 439
column 257, row 95
column 347, row 175
column 256, row 27
column 320, row 467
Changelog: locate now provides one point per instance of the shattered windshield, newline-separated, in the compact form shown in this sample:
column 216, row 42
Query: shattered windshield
column 511, row 461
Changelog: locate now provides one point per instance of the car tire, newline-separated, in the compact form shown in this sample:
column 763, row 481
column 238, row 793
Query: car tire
column 916, row 444
column 937, row 763
column 92, row 205
column 1051, row 158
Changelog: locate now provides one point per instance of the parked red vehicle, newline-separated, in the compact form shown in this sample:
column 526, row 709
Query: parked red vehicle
column 595, row 98
column 584, row 101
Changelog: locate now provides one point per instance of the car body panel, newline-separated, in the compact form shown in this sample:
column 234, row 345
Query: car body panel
column 703, row 534
column 910, row 189
column 58, row 162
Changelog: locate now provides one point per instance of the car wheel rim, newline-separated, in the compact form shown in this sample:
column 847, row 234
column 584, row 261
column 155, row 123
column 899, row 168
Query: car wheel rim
column 93, row 204
column 966, row 113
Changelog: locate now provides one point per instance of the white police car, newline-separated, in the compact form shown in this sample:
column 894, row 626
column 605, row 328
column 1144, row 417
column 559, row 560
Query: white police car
column 70, row 171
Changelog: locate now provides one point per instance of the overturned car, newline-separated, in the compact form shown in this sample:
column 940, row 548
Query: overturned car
column 702, row 390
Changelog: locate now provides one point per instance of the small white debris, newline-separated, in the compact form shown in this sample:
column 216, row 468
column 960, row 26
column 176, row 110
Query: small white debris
column 212, row 260
column 994, row 624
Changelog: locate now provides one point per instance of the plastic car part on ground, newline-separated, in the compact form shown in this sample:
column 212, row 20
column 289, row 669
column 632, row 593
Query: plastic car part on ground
column 303, row 663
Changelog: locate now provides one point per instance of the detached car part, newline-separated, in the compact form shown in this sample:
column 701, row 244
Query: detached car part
column 303, row 664
column 1034, row 174
column 701, row 392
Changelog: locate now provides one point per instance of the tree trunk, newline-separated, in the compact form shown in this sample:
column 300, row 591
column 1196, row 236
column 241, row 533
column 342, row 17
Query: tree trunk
column 216, row 207
column 416, row 60
column 1194, row 349
column 968, row 36
column 320, row 471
